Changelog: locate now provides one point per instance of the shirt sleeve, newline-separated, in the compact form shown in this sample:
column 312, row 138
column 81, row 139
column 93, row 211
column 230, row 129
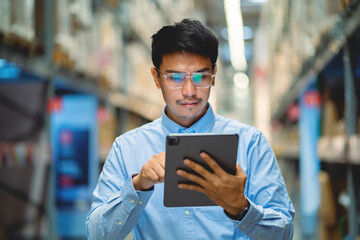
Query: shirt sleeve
column 271, row 212
column 116, row 205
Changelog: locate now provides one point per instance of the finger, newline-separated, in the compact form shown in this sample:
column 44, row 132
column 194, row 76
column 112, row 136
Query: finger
column 150, row 175
column 239, row 170
column 192, row 177
column 159, row 171
column 192, row 187
column 157, row 163
column 160, row 159
column 212, row 164
column 198, row 168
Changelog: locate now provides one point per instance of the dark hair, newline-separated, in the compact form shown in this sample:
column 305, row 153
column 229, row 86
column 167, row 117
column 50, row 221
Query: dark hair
column 186, row 36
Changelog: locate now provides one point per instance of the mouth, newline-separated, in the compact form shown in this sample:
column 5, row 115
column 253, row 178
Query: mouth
column 190, row 103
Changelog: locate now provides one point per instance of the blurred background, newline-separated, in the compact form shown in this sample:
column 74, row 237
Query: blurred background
column 74, row 74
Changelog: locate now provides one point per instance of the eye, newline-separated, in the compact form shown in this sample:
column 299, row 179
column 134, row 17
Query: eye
column 198, row 77
column 176, row 77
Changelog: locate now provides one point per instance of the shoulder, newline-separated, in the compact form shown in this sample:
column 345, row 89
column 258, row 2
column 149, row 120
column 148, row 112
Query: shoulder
column 248, row 135
column 234, row 125
column 148, row 128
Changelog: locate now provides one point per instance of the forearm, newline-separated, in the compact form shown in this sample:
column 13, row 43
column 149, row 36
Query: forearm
column 118, row 215
column 107, row 221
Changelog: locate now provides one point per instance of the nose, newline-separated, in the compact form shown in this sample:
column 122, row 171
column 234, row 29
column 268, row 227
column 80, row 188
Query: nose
column 189, row 89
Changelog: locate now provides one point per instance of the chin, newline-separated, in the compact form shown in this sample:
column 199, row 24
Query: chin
column 189, row 114
column 189, row 117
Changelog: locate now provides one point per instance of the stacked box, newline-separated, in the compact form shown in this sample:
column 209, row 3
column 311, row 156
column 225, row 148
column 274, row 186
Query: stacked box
column 63, row 32
column 22, row 24
column 4, row 17
column 87, row 43
column 147, row 10
column 108, row 130
column 178, row 9
column 294, row 29
column 22, row 19
column 109, row 49
column 141, row 82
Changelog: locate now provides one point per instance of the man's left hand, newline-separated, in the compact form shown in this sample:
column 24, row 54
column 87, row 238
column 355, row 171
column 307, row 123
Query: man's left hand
column 222, row 188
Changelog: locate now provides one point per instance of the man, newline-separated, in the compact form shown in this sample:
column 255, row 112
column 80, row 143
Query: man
column 253, row 204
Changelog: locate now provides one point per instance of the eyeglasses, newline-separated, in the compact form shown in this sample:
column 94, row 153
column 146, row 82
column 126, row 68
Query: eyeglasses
column 178, row 80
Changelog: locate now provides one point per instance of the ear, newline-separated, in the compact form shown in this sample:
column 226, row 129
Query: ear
column 156, row 77
column 214, row 72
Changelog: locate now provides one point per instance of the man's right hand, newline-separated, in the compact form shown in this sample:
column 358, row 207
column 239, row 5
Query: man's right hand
column 151, row 173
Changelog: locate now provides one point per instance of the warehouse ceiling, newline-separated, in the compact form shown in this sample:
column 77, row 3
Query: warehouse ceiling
column 215, row 17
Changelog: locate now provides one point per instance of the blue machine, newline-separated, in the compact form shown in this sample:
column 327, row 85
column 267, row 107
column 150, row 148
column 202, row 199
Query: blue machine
column 309, row 130
column 75, row 160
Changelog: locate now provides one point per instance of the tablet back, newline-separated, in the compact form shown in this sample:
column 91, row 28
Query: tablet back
column 222, row 147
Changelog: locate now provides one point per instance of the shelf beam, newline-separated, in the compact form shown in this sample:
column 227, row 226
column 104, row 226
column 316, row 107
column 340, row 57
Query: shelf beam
column 350, row 118
column 49, row 32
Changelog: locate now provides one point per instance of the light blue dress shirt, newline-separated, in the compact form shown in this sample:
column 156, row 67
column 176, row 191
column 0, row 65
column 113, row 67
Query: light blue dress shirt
column 118, row 208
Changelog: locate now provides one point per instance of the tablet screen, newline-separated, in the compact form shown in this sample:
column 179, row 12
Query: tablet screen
column 222, row 147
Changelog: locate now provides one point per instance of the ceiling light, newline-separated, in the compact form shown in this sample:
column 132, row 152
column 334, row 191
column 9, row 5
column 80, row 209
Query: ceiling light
column 258, row 1
column 235, row 34
column 241, row 80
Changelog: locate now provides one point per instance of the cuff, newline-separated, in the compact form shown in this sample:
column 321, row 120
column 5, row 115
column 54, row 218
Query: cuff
column 253, row 216
column 239, row 216
column 132, row 198
column 149, row 189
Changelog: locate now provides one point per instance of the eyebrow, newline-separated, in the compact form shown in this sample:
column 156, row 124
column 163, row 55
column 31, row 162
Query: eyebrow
column 206, row 69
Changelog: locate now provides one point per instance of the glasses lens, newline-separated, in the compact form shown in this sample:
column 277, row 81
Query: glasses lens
column 175, row 79
column 202, row 79
column 197, row 78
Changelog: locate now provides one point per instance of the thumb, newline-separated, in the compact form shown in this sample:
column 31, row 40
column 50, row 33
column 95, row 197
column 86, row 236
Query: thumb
column 239, row 170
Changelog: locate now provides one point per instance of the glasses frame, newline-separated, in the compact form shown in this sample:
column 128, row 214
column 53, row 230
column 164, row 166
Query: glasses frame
column 188, row 75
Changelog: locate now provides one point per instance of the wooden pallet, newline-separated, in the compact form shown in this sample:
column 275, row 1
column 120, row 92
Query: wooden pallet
column 62, row 59
column 19, row 44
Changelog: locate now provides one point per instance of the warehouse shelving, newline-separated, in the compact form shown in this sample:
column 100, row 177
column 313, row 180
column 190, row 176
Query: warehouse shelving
column 331, row 44
column 334, row 149
column 332, row 47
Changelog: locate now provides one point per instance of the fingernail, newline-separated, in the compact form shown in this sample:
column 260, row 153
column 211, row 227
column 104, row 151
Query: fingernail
column 186, row 162
column 179, row 172
column 180, row 186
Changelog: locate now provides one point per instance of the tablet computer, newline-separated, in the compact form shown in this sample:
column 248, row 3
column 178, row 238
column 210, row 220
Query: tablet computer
column 222, row 147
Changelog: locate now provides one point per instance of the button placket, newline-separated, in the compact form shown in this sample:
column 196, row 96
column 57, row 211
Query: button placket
column 189, row 225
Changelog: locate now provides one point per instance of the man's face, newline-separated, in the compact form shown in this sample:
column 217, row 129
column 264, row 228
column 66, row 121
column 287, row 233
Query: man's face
column 188, row 104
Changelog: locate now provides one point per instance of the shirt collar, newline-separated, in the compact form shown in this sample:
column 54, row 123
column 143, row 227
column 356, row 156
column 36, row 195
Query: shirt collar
column 204, row 124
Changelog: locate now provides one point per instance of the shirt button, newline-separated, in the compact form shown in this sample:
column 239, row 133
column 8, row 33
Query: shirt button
column 187, row 213
column 120, row 223
column 259, row 238
column 140, row 202
column 244, row 227
column 132, row 201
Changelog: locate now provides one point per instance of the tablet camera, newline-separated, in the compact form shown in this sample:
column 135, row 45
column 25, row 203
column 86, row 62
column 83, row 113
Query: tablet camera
column 173, row 141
